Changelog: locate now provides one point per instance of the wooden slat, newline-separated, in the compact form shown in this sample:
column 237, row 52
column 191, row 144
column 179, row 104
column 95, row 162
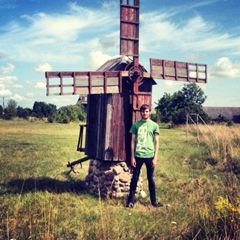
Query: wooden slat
column 129, row 28
column 180, row 71
column 83, row 82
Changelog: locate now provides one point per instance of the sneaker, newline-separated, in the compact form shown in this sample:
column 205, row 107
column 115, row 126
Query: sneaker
column 129, row 205
column 157, row 205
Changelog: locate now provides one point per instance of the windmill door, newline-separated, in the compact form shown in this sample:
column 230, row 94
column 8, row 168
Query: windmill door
column 108, row 124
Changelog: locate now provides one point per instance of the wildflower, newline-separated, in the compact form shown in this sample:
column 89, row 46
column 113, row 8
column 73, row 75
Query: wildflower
column 223, row 205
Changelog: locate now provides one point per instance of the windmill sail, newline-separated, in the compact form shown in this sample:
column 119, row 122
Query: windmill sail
column 180, row 71
column 75, row 83
column 129, row 28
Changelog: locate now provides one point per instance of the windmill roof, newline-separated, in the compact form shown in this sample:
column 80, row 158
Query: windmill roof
column 118, row 64
column 115, row 64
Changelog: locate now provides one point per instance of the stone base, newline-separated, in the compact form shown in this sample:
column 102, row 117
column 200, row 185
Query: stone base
column 110, row 179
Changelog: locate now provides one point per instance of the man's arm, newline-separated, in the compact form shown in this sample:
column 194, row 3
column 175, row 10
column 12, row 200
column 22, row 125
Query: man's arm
column 156, row 145
column 133, row 160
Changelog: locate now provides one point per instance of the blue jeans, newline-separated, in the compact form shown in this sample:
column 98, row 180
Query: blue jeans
column 150, row 177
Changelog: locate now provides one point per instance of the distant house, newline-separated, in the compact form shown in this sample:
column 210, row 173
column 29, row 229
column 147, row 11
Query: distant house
column 231, row 113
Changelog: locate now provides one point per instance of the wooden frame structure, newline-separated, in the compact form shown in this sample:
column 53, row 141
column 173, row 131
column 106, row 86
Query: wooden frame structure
column 116, row 94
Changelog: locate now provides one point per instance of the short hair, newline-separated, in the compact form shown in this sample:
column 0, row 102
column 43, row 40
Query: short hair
column 144, row 107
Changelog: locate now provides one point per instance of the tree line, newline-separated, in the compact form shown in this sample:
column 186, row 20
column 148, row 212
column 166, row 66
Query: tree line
column 171, row 109
column 43, row 110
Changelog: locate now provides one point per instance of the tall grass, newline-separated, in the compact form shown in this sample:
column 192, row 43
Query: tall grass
column 221, row 137
column 195, row 180
column 219, row 213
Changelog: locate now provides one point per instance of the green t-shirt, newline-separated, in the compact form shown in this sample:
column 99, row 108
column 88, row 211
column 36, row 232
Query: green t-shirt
column 144, row 131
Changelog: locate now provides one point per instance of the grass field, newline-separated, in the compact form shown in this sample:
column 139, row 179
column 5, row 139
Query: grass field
column 197, row 179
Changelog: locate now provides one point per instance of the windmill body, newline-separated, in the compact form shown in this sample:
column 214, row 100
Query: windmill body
column 115, row 93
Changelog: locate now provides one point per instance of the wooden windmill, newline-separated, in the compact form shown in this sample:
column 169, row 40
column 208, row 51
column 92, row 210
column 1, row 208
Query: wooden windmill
column 116, row 91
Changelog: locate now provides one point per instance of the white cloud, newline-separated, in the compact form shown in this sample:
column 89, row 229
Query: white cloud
column 44, row 67
column 193, row 34
column 55, row 100
column 40, row 85
column 65, row 37
column 9, row 68
column 18, row 86
column 7, row 79
column 62, row 37
column 18, row 97
column 30, row 94
column 4, row 91
column 62, row 27
column 97, row 58
column 225, row 68
column 173, row 85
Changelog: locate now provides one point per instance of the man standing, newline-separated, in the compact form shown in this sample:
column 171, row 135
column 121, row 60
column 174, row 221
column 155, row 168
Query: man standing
column 144, row 149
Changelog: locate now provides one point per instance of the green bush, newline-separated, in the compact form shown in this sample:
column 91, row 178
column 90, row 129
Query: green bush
column 50, row 119
column 71, row 113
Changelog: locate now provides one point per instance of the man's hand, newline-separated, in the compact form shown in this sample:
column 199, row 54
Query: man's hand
column 154, row 162
column 133, row 162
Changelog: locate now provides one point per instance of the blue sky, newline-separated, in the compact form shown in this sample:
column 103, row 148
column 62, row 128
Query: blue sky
column 42, row 35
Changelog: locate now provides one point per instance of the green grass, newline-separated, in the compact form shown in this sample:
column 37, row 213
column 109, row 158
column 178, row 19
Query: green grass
column 39, row 201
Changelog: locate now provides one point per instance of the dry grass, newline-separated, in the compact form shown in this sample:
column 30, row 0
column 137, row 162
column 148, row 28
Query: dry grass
column 219, row 140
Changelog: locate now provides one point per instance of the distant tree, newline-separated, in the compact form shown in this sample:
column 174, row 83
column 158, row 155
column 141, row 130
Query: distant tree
column 19, row 111
column 38, row 109
column 42, row 109
column 154, row 117
column 192, row 94
column 165, row 108
column 52, row 109
column 23, row 112
column 79, row 114
column 11, row 110
column 174, row 108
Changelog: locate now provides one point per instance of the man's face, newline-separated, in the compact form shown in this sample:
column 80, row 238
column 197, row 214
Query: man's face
column 145, row 114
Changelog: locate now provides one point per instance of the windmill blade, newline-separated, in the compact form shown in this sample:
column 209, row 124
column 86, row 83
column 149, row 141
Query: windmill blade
column 75, row 83
column 180, row 71
column 129, row 28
